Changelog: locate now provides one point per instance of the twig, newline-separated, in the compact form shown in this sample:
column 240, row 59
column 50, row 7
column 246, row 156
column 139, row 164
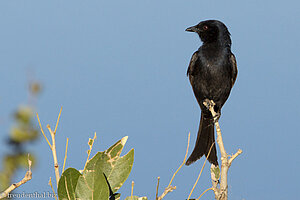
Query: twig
column 132, row 185
column 37, row 115
column 50, row 183
column 157, row 186
column 234, row 156
column 167, row 190
column 56, row 166
column 200, row 171
column 65, row 155
column 90, row 143
column 204, row 193
column 170, row 188
column 222, row 192
column 53, row 146
column 26, row 178
column 186, row 153
column 57, row 120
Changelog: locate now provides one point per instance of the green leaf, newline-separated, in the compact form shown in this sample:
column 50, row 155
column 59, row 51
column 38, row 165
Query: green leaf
column 67, row 184
column 136, row 198
column 92, row 184
column 104, row 171
column 116, row 168
column 216, row 171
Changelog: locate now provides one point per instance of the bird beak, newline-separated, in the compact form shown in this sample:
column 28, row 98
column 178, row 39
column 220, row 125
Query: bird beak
column 191, row 29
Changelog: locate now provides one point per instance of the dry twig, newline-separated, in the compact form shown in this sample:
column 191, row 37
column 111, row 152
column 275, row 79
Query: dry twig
column 166, row 191
column 157, row 186
column 50, row 183
column 132, row 186
column 204, row 193
column 200, row 172
column 90, row 143
column 53, row 146
column 170, row 188
column 66, row 151
column 186, row 153
column 26, row 178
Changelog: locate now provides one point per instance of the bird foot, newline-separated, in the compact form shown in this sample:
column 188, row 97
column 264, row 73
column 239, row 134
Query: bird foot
column 217, row 117
column 208, row 103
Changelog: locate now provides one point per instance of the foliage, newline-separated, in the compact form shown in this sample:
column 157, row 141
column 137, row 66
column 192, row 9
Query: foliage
column 101, row 178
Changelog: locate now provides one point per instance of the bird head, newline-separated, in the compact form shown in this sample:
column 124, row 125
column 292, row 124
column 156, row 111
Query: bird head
column 211, row 31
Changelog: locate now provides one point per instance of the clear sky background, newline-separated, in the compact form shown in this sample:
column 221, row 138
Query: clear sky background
column 119, row 68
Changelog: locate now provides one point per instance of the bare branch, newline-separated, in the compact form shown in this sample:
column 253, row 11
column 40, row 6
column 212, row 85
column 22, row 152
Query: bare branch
column 186, row 153
column 157, row 186
column 222, row 192
column 56, row 166
column 167, row 190
column 53, row 146
column 234, row 156
column 26, row 178
column 170, row 188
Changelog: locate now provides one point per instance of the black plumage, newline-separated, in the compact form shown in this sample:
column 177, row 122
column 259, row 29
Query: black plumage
column 212, row 72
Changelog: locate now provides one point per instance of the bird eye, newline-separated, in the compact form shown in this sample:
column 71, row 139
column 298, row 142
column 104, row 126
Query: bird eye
column 205, row 27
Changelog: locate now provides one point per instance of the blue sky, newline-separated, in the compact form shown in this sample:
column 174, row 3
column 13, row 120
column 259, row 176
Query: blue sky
column 119, row 68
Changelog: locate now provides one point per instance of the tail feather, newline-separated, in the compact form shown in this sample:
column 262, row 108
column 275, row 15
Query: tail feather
column 205, row 139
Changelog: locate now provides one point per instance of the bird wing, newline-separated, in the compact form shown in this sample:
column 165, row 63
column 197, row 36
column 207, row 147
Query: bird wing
column 191, row 67
column 234, row 68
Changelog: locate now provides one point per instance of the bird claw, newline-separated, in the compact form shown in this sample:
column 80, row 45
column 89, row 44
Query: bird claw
column 217, row 117
column 208, row 103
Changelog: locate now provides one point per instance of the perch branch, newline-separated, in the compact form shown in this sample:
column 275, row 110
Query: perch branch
column 26, row 178
column 222, row 192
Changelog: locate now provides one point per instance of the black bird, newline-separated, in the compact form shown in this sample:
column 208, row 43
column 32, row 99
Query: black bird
column 212, row 72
